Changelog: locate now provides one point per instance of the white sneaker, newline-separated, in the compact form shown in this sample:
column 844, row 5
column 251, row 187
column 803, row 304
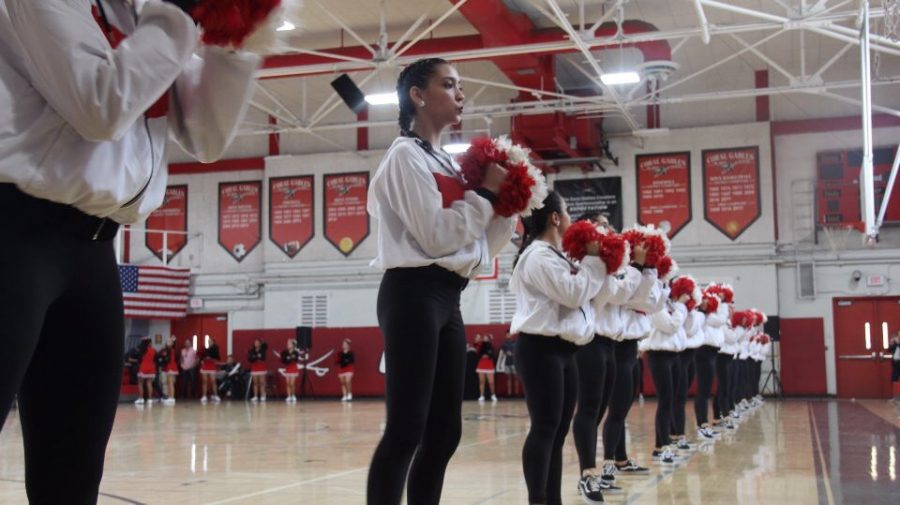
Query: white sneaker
column 344, row 398
column 494, row 398
column 151, row 401
column 216, row 399
column 481, row 399
column 203, row 400
column 293, row 399
column 169, row 401
column 139, row 401
column 350, row 397
column 287, row 399
column 262, row 398
column 254, row 399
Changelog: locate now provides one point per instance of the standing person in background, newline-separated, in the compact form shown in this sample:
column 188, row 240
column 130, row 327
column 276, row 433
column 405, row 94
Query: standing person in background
column 189, row 364
column 508, row 352
column 433, row 236
column 346, row 359
column 485, row 368
column 168, row 369
column 894, row 350
column 209, row 367
column 290, row 357
column 85, row 117
column 146, row 372
column 258, row 369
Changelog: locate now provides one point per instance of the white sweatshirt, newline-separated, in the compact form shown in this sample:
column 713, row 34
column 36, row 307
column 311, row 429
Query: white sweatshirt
column 72, row 109
column 695, row 329
column 424, row 216
column 716, row 323
column 731, row 338
column 608, row 313
column 551, row 300
column 651, row 297
column 668, row 329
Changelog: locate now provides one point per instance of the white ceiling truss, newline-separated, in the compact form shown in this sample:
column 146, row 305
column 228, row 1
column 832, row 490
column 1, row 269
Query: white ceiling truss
column 751, row 27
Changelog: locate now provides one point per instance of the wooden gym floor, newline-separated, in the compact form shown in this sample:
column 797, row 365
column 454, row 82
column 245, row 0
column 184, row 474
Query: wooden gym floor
column 786, row 452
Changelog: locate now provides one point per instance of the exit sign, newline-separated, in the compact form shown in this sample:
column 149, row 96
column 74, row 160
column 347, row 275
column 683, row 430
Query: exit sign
column 876, row 281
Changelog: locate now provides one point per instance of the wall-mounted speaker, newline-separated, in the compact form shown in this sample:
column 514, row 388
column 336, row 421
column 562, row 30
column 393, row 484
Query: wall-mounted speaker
column 349, row 92
column 304, row 337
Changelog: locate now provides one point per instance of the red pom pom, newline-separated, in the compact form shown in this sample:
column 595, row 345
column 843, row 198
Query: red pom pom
column 577, row 237
column 727, row 294
column 515, row 192
column 613, row 249
column 656, row 246
column 712, row 302
column 475, row 160
column 682, row 286
column 742, row 318
column 230, row 22
column 664, row 267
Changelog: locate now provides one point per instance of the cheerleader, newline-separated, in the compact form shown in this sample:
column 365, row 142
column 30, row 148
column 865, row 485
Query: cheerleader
column 715, row 316
column 693, row 330
column 209, row 366
column 597, row 371
column 662, row 347
column 290, row 357
column 485, row 368
column 433, row 236
column 553, row 318
column 345, row 370
column 258, row 370
column 724, row 404
column 146, row 372
column 168, row 369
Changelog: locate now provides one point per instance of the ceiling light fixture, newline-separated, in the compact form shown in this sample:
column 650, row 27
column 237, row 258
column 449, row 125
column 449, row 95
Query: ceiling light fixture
column 614, row 78
column 382, row 99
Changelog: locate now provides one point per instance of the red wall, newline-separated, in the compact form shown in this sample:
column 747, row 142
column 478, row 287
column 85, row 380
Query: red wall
column 368, row 345
column 802, row 348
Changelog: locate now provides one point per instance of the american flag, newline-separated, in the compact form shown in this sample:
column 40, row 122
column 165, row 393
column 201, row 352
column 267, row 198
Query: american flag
column 155, row 292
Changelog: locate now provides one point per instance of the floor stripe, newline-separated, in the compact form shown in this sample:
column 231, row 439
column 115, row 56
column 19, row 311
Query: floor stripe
column 823, row 474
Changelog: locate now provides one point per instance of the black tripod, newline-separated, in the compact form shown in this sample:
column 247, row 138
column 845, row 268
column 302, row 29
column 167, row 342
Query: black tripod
column 777, row 390
column 306, row 388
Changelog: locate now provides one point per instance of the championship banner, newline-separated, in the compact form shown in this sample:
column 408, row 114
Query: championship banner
column 731, row 192
column 291, row 214
column 239, row 217
column 171, row 216
column 664, row 190
column 346, row 218
column 595, row 194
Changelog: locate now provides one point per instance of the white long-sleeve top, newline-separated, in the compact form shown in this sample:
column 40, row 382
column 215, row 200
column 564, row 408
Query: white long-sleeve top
column 551, row 300
column 731, row 338
column 425, row 217
column 714, row 328
column 695, row 329
column 650, row 297
column 618, row 289
column 668, row 333
column 72, row 109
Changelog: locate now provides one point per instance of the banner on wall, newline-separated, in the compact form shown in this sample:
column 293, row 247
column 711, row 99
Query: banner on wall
column 593, row 194
column 731, row 192
column 346, row 218
column 171, row 216
column 239, row 217
column 664, row 190
column 291, row 214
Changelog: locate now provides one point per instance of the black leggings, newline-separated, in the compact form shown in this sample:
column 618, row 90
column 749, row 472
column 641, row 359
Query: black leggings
column 549, row 375
column 738, row 381
column 425, row 361
column 61, row 307
column 723, row 402
column 620, row 401
column 755, row 375
column 684, row 375
column 596, row 380
column 705, row 362
column 663, row 366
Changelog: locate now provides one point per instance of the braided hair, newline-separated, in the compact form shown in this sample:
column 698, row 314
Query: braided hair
column 415, row 75
column 536, row 224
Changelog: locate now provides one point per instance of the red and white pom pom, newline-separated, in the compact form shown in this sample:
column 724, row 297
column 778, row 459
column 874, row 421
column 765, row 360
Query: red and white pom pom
column 712, row 302
column 727, row 293
column 614, row 251
column 524, row 189
column 249, row 25
column 683, row 285
column 654, row 241
column 742, row 318
column 577, row 237
column 666, row 268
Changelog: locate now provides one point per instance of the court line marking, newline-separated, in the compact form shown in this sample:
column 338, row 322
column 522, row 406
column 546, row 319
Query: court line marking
column 821, row 453
column 342, row 474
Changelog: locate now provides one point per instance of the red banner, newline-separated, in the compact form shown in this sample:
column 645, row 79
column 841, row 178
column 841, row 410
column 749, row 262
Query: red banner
column 664, row 190
column 239, row 217
column 346, row 218
column 291, row 214
column 731, row 193
column 171, row 216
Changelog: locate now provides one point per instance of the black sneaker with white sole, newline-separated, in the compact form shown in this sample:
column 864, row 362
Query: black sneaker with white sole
column 610, row 488
column 608, row 475
column 590, row 489
column 630, row 467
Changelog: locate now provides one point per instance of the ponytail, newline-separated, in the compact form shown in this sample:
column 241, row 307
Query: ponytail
column 536, row 224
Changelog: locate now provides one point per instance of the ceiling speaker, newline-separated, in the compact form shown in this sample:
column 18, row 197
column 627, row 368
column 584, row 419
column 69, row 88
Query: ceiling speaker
column 349, row 93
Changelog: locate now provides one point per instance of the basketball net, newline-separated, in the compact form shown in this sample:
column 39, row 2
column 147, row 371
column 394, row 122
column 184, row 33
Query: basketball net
column 838, row 236
column 891, row 21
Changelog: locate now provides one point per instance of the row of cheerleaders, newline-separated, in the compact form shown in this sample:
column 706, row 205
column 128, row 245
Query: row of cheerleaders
column 616, row 295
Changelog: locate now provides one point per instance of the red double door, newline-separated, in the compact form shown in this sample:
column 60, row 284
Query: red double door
column 862, row 333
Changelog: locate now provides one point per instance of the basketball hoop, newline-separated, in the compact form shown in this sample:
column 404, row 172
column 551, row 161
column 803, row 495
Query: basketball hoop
column 838, row 235
column 891, row 20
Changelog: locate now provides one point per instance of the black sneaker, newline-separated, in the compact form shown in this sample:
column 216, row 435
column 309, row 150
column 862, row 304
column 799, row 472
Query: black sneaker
column 631, row 467
column 683, row 445
column 608, row 475
column 667, row 457
column 609, row 487
column 706, row 433
column 590, row 489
